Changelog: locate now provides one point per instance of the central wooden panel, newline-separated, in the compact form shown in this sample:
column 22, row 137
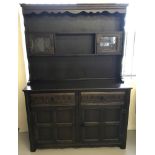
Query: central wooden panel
column 75, row 44
column 53, row 117
column 71, row 67
column 100, row 116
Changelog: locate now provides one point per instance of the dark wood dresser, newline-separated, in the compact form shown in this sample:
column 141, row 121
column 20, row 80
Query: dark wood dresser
column 75, row 96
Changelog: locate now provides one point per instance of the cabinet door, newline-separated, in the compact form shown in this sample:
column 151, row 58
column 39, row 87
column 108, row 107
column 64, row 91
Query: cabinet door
column 100, row 117
column 100, row 123
column 54, row 120
column 55, row 125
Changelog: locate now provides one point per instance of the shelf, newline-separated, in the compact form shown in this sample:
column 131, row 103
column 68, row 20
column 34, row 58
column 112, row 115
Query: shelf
column 67, row 55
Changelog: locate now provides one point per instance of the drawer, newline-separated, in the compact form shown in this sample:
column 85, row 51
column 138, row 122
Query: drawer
column 102, row 97
column 53, row 99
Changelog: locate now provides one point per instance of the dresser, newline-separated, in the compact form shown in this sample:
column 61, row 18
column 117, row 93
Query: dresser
column 75, row 96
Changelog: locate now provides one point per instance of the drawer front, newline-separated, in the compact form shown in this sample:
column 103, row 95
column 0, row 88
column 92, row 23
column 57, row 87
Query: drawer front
column 53, row 99
column 102, row 97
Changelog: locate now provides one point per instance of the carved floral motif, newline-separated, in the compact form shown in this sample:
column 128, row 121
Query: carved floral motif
column 53, row 98
column 102, row 97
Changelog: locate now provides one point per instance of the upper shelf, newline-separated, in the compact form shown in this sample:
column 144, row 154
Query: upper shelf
column 73, row 8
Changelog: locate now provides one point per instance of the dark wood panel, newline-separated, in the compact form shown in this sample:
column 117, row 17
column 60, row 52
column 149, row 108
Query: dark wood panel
column 74, row 23
column 65, row 124
column 112, row 114
column 45, row 134
column 111, row 132
column 64, row 133
column 100, row 123
column 90, row 134
column 91, row 115
column 43, row 116
column 99, row 98
column 74, row 44
column 55, row 99
column 64, row 115
column 60, row 68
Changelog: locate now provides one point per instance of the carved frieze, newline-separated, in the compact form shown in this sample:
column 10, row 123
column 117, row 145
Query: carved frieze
column 102, row 97
column 53, row 98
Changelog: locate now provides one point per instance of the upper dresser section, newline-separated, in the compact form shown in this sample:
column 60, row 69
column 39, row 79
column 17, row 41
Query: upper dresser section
column 74, row 29
column 81, row 41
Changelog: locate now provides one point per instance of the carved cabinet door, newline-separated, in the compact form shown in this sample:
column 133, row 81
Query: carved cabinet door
column 54, row 118
column 100, row 117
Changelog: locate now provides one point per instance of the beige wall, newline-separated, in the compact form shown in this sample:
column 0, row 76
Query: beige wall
column 22, row 122
column 132, row 110
column 21, row 83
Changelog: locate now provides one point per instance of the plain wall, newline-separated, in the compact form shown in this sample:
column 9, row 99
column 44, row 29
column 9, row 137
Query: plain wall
column 22, row 122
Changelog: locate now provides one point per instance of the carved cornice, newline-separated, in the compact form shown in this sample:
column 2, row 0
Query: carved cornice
column 73, row 9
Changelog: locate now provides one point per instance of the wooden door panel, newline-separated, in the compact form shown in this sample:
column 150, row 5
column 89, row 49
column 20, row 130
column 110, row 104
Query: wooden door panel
column 65, row 124
column 44, row 135
column 111, row 114
column 65, row 134
column 44, row 117
column 100, row 123
column 64, row 115
column 90, row 134
column 54, row 125
column 111, row 132
column 91, row 115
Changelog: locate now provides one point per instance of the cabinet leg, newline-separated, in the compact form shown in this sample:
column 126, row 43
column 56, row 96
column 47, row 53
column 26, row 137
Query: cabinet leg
column 123, row 146
column 32, row 149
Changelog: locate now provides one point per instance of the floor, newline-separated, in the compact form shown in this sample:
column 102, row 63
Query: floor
column 130, row 149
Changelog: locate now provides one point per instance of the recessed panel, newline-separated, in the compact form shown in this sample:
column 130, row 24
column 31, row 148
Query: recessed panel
column 64, row 133
column 64, row 116
column 45, row 133
column 78, row 23
column 44, row 117
column 91, row 132
column 75, row 44
column 91, row 115
column 111, row 114
column 111, row 132
column 73, row 67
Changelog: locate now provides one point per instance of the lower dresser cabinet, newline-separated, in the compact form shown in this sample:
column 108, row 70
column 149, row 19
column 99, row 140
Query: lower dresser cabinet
column 77, row 118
